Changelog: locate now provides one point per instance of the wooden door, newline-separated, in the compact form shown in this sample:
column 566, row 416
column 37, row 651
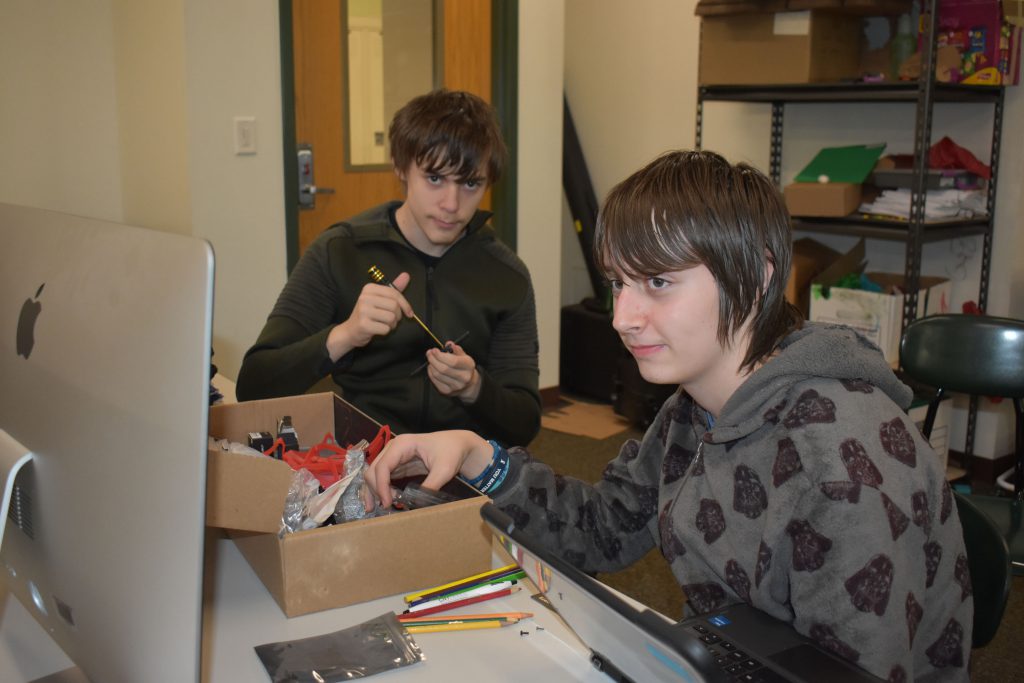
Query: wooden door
column 319, row 65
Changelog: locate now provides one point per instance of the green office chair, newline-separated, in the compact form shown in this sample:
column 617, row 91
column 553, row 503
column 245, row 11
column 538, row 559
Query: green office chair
column 978, row 355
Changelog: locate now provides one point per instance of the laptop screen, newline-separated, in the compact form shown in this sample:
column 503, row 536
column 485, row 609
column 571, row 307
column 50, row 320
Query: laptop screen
column 628, row 643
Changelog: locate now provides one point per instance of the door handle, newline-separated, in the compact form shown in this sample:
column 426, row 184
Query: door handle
column 313, row 189
column 308, row 189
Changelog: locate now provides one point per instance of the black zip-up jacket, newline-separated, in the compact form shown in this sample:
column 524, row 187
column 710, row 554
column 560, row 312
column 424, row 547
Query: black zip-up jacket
column 478, row 286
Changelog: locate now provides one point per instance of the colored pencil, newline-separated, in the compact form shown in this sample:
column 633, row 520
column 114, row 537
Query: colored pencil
column 466, row 584
column 494, row 615
column 443, row 619
column 512, row 576
column 448, row 622
column 470, row 626
column 482, row 575
column 467, row 601
column 444, row 600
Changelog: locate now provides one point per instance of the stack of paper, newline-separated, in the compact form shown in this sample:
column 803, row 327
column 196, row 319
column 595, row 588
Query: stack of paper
column 939, row 204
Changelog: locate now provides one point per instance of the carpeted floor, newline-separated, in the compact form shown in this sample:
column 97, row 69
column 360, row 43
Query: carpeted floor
column 650, row 581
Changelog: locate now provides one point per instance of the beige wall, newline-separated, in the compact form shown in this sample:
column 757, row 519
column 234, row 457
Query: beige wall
column 123, row 110
column 58, row 107
column 630, row 78
column 232, row 68
column 539, row 167
column 149, row 67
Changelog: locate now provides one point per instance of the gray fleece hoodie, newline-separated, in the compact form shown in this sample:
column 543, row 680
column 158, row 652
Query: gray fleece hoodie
column 813, row 498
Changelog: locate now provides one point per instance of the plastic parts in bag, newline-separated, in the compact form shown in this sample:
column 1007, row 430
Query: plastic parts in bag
column 350, row 507
column 303, row 489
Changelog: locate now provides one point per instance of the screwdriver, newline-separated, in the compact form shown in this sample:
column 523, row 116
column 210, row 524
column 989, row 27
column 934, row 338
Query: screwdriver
column 378, row 276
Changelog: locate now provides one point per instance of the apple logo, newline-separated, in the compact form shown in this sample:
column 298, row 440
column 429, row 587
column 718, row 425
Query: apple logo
column 27, row 323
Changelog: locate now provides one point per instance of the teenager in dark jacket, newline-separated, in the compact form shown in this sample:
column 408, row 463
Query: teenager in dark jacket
column 447, row 267
column 784, row 472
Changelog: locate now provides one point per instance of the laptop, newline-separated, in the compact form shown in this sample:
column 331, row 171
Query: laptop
column 637, row 645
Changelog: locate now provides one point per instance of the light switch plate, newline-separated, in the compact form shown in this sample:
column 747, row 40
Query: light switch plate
column 245, row 135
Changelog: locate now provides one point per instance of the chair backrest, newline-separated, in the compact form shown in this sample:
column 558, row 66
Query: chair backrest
column 977, row 355
column 970, row 354
column 989, row 560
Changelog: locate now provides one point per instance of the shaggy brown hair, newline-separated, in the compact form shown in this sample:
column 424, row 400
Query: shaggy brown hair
column 689, row 208
column 450, row 131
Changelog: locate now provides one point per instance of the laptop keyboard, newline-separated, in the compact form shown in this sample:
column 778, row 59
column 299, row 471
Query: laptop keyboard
column 738, row 664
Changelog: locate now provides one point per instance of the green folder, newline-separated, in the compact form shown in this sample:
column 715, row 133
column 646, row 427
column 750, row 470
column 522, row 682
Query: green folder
column 850, row 164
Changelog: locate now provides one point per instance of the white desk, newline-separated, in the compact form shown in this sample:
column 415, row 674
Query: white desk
column 240, row 614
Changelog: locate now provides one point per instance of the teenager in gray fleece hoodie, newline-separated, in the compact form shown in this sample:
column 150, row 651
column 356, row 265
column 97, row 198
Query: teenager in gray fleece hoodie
column 784, row 473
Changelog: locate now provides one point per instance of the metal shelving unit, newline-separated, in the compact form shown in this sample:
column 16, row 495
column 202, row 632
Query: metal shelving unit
column 915, row 232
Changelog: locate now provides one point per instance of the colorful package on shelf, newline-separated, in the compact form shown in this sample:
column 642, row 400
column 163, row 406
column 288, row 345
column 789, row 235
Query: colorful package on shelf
column 989, row 47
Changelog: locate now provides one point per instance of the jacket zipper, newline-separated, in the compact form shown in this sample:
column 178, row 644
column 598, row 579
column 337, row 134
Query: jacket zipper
column 425, row 410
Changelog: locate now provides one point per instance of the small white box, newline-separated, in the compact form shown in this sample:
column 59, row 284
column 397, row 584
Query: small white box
column 879, row 315
column 940, row 429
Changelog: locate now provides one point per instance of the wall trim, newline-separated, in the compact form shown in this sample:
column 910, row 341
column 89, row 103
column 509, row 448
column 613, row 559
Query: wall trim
column 291, row 170
column 505, row 99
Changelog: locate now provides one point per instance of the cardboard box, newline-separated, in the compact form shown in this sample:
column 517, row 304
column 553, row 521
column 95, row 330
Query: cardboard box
column 810, row 258
column 822, row 199
column 940, row 429
column 878, row 315
column 777, row 48
column 336, row 565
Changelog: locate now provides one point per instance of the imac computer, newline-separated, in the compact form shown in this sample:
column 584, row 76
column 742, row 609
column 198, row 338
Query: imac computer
column 105, row 336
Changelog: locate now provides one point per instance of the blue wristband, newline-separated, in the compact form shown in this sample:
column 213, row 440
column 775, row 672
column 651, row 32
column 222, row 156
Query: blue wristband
column 498, row 479
column 478, row 479
column 497, row 473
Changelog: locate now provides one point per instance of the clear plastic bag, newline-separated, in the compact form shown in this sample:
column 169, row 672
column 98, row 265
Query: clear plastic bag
column 350, row 506
column 380, row 644
column 303, row 489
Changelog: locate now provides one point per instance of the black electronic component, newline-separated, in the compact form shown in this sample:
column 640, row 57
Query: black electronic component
column 261, row 441
column 286, row 432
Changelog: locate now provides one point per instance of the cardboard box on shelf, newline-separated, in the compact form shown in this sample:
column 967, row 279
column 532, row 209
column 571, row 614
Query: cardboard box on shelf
column 761, row 47
column 810, row 257
column 822, row 200
column 876, row 315
column 830, row 184
column 337, row 565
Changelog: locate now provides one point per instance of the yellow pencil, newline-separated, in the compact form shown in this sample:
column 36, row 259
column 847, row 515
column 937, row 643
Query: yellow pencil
column 464, row 626
column 412, row 597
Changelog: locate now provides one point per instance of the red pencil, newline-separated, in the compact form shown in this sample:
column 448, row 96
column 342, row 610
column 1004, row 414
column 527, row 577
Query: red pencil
column 468, row 601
